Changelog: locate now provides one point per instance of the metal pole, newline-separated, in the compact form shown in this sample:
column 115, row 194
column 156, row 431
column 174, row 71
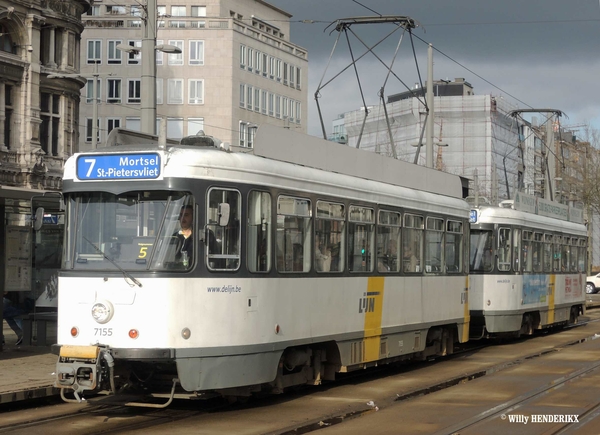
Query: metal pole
column 95, row 111
column 430, row 117
column 148, row 88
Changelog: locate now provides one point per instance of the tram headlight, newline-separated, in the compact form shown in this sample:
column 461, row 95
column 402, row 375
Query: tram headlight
column 102, row 311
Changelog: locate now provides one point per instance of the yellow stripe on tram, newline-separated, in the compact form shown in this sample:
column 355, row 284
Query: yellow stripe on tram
column 551, row 292
column 466, row 312
column 373, row 306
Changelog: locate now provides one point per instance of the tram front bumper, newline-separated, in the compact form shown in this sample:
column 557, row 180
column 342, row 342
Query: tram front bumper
column 79, row 368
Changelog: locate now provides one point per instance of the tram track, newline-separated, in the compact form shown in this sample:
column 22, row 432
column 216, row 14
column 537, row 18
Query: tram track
column 99, row 418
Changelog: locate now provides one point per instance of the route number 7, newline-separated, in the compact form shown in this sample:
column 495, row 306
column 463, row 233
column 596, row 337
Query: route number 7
column 92, row 163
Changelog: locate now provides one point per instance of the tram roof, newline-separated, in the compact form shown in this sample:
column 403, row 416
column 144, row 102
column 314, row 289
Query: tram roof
column 311, row 165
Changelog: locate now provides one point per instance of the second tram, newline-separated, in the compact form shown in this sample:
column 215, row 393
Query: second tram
column 527, row 269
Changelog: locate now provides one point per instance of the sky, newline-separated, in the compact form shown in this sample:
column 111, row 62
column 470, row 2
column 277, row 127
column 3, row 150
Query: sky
column 534, row 53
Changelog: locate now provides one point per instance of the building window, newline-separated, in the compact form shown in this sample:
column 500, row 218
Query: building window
column 94, row 52
column 176, row 58
column 159, row 91
column 243, row 133
column 271, row 103
column 242, row 56
column 112, row 123
column 134, row 57
column 292, row 75
column 8, row 102
column 298, row 112
column 89, row 90
column 49, row 129
column 133, row 124
column 116, row 10
column 174, row 128
column 263, row 102
column 159, row 54
column 195, row 125
column 175, row 91
column 94, row 11
column 257, row 100
column 249, row 94
column 88, row 129
column 278, row 70
column 297, row 78
column 196, row 91
column 250, row 59
column 278, row 106
column 161, row 12
column 134, row 94
column 265, row 64
column 198, row 11
column 114, row 91
column 136, row 11
column 285, row 73
column 271, row 67
column 114, row 54
column 196, row 53
column 257, row 61
column 177, row 11
column 242, row 95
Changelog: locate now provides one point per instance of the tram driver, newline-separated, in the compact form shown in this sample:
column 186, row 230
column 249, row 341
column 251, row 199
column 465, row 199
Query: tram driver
column 185, row 241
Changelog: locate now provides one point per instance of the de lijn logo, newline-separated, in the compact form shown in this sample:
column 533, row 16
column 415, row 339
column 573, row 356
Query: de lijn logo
column 366, row 305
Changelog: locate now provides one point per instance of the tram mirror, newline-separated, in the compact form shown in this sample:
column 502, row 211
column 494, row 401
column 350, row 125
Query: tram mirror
column 223, row 214
column 38, row 219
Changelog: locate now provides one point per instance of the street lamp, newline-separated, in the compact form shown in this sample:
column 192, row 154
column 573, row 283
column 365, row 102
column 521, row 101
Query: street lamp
column 95, row 77
column 148, row 97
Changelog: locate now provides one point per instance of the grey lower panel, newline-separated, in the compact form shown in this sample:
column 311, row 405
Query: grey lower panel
column 510, row 321
column 214, row 373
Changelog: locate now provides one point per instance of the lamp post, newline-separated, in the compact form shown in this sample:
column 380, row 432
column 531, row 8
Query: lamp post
column 148, row 97
column 96, row 75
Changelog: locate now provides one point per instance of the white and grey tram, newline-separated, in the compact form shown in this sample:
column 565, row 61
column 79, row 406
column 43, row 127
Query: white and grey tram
column 527, row 267
column 296, row 272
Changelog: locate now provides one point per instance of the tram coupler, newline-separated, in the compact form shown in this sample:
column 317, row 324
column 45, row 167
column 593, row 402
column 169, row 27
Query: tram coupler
column 81, row 368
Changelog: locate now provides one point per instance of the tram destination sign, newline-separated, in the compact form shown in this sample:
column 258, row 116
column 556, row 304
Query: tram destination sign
column 138, row 166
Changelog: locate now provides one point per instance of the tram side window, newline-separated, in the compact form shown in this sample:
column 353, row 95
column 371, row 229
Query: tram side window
column 259, row 232
column 412, row 243
column 527, row 253
column 329, row 237
column 434, row 245
column 516, row 249
column 481, row 256
column 454, row 252
column 388, row 240
column 223, row 232
column 565, row 255
column 361, row 233
column 582, row 255
column 556, row 254
column 294, row 225
column 547, row 253
column 504, row 249
column 574, row 254
column 538, row 252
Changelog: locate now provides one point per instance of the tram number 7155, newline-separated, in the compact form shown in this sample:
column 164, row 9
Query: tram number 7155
column 103, row 332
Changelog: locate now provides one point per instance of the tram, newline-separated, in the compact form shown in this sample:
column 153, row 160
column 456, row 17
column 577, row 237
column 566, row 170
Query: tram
column 307, row 258
column 527, row 266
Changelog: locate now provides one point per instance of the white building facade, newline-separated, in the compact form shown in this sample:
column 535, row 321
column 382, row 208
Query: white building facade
column 237, row 70
column 475, row 133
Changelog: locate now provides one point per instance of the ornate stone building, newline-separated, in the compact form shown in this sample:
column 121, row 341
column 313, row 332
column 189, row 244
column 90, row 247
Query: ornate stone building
column 39, row 117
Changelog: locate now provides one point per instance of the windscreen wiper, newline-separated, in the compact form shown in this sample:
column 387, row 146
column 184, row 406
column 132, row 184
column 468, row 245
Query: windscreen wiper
column 125, row 273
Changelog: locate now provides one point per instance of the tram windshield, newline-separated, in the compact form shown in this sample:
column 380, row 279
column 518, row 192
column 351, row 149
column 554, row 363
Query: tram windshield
column 481, row 253
column 135, row 231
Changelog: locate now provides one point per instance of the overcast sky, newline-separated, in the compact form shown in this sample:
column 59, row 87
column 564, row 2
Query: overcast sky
column 545, row 53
